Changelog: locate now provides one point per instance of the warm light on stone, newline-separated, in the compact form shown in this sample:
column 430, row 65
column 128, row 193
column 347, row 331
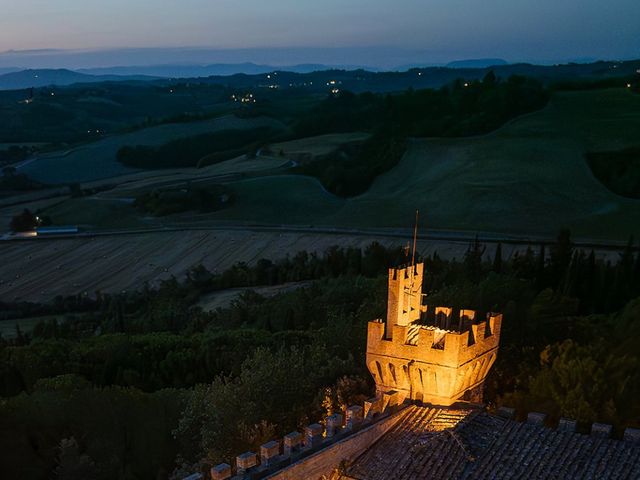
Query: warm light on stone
column 428, row 354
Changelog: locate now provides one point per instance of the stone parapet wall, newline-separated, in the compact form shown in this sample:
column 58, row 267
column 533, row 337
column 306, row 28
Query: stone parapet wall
column 321, row 447
column 429, row 364
column 325, row 461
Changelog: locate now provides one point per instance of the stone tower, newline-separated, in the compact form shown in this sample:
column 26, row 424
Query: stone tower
column 404, row 295
column 436, row 355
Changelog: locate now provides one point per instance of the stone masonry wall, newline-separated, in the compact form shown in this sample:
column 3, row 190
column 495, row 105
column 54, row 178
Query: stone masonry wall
column 327, row 460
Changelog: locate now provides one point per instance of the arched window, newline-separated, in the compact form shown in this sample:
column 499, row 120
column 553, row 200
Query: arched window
column 392, row 371
column 379, row 370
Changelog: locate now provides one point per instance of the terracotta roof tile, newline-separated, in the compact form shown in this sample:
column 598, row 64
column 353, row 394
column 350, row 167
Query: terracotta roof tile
column 435, row 443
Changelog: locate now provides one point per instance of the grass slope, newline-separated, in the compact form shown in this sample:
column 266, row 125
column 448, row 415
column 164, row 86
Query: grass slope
column 319, row 145
column 529, row 176
column 98, row 160
column 285, row 199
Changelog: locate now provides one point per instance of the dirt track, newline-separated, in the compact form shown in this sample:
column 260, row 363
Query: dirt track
column 224, row 298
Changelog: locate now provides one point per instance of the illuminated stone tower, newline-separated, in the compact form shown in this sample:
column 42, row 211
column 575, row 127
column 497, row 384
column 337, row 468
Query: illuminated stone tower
column 436, row 355
column 404, row 296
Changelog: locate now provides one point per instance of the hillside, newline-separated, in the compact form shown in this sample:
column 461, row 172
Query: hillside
column 86, row 112
column 97, row 160
column 183, row 71
column 314, row 77
column 477, row 63
column 58, row 77
column 528, row 177
column 71, row 112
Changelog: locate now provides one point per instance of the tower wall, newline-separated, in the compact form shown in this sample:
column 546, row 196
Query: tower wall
column 426, row 372
column 404, row 296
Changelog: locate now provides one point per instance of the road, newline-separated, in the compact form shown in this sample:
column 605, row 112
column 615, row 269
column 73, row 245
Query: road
column 456, row 236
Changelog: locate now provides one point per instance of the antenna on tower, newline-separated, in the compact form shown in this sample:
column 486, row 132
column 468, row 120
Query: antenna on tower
column 415, row 239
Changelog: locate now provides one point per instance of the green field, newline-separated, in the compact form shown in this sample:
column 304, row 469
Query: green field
column 89, row 213
column 98, row 160
column 317, row 146
column 528, row 177
column 285, row 199
column 113, row 209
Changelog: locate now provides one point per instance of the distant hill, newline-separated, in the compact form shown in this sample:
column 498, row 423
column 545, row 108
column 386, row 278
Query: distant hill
column 4, row 70
column 14, row 79
column 316, row 78
column 428, row 77
column 196, row 71
column 477, row 63
column 48, row 77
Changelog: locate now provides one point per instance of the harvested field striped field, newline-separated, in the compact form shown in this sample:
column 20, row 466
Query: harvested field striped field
column 41, row 269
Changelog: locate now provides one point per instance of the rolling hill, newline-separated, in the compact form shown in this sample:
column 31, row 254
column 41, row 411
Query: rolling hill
column 314, row 77
column 97, row 160
column 528, row 177
column 58, row 77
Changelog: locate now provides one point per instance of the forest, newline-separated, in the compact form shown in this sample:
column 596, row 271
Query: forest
column 146, row 384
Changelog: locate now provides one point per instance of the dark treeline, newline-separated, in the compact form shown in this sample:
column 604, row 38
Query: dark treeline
column 211, row 384
column 168, row 201
column 199, row 150
column 303, row 266
column 15, row 154
column 618, row 170
column 461, row 109
column 11, row 181
column 348, row 174
column 612, row 82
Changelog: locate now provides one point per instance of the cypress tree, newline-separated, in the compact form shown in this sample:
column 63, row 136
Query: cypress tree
column 497, row 259
column 561, row 255
column 541, row 281
column 589, row 300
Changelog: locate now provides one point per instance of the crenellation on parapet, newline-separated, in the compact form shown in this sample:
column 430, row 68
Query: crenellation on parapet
column 434, row 354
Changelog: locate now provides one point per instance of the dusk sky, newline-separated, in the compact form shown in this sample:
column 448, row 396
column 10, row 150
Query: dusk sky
column 541, row 30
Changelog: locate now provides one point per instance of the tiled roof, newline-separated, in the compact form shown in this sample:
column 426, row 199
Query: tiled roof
column 465, row 444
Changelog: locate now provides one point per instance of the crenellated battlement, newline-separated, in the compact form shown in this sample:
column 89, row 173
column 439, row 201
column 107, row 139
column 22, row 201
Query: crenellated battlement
column 335, row 438
column 434, row 354
column 465, row 333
